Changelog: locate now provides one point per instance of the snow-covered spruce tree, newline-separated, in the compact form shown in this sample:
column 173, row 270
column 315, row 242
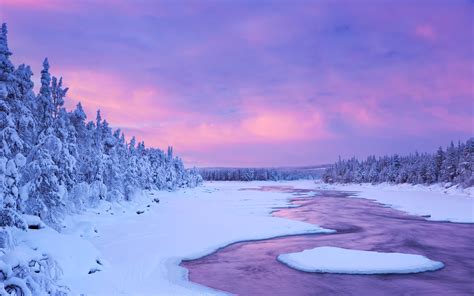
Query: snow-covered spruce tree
column 465, row 170
column 115, row 168
column 23, row 106
column 46, row 191
column 158, row 168
column 453, row 166
column 6, row 66
column 50, row 168
column 58, row 94
column 44, row 104
column 11, row 159
column 11, row 145
column 448, row 169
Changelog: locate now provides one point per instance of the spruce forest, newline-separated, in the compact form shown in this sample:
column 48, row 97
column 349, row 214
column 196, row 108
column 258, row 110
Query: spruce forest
column 53, row 161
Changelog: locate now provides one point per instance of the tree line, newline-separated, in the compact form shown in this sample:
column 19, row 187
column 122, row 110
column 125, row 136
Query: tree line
column 453, row 165
column 259, row 174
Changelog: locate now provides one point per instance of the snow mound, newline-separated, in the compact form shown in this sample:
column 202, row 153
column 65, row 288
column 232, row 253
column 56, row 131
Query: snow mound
column 339, row 260
column 76, row 257
column 33, row 222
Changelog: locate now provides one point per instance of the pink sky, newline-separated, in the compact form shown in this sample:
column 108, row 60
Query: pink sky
column 261, row 83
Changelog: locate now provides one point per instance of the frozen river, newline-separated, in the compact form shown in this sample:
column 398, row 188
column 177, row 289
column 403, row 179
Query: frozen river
column 251, row 268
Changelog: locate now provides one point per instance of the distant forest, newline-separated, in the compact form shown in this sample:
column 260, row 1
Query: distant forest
column 261, row 174
column 453, row 165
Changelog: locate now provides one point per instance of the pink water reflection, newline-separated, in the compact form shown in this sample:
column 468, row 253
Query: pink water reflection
column 250, row 268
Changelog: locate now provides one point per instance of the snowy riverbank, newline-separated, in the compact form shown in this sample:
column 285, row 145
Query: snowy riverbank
column 435, row 202
column 122, row 252
column 454, row 204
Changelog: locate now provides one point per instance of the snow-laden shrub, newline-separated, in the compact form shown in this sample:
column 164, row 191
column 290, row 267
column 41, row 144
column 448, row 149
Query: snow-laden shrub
column 192, row 178
column 9, row 217
column 77, row 196
column 131, row 192
column 114, row 195
column 97, row 192
column 6, row 239
column 24, row 271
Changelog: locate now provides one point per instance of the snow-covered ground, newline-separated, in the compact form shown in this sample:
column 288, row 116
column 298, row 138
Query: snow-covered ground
column 134, row 248
column 435, row 202
column 339, row 260
column 113, row 250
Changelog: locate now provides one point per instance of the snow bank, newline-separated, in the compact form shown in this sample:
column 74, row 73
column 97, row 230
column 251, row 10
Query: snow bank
column 141, row 252
column 435, row 202
column 75, row 256
column 339, row 260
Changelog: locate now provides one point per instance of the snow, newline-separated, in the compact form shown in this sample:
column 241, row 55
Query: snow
column 19, row 283
column 33, row 221
column 74, row 255
column 112, row 250
column 437, row 203
column 19, row 255
column 339, row 260
column 140, row 254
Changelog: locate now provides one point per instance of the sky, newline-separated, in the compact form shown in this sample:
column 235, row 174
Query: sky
column 261, row 83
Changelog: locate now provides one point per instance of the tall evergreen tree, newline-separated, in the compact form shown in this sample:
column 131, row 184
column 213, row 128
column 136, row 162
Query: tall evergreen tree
column 44, row 105
column 58, row 93
column 6, row 66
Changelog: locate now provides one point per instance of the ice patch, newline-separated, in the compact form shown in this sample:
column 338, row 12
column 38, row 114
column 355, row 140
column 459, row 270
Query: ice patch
column 339, row 260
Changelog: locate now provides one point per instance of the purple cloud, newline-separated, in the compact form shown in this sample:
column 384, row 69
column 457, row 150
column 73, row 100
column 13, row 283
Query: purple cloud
column 227, row 82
